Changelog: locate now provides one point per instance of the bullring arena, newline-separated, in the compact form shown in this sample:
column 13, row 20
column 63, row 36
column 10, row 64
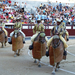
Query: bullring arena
column 24, row 64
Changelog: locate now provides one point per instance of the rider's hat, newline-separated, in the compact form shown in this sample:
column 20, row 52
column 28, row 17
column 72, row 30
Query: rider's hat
column 58, row 20
column 38, row 20
column 42, row 34
column 17, row 19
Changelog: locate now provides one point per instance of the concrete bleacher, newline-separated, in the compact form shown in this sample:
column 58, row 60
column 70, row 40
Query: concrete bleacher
column 31, row 4
column 38, row 2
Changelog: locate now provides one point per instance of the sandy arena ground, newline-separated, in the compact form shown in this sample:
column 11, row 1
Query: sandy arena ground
column 24, row 64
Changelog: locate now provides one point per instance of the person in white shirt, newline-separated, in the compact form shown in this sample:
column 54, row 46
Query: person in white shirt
column 18, row 5
column 22, row 6
column 69, row 20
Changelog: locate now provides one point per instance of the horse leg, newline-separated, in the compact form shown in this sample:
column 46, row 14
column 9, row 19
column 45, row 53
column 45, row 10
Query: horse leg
column 15, row 53
column 18, row 52
column 5, row 44
column 39, row 65
column 2, row 45
column 57, row 66
column 54, row 67
column 35, row 61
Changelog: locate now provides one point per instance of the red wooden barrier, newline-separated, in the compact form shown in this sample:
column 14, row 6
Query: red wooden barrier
column 27, row 29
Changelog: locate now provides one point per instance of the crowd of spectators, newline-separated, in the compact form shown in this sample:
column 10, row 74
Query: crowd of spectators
column 47, row 13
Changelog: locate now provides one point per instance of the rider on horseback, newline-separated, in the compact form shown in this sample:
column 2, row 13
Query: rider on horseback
column 63, row 26
column 58, row 29
column 2, row 24
column 18, row 25
column 39, row 27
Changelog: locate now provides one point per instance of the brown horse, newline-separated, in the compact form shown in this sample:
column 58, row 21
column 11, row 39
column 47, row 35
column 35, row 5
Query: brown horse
column 39, row 47
column 17, row 42
column 56, row 52
column 3, row 40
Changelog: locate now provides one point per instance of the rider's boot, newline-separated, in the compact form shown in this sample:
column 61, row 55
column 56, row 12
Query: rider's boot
column 47, row 53
column 31, row 46
column 64, row 54
column 67, row 39
column 10, row 40
column 5, row 36
column 23, row 40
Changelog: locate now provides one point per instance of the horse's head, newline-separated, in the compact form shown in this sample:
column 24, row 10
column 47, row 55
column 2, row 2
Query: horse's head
column 16, row 33
column 55, row 41
column 42, row 37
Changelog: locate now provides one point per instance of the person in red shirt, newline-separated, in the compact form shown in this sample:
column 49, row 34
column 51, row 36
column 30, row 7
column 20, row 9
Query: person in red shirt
column 2, row 16
column 72, row 18
column 9, row 1
column 7, row 17
column 11, row 20
column 25, row 21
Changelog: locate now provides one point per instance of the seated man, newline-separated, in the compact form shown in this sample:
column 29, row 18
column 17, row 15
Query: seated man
column 39, row 27
column 57, row 29
column 18, row 25
column 3, row 25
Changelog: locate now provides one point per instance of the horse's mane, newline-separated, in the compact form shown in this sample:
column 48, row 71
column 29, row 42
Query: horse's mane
column 42, row 34
column 55, row 37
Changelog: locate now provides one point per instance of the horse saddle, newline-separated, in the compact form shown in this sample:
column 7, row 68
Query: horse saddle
column 31, row 46
column 17, row 33
column 42, row 34
column 36, row 37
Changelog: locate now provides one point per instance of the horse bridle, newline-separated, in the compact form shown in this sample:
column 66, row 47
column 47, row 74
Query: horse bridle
column 56, row 44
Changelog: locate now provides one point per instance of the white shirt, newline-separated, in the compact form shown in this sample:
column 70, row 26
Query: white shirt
column 69, row 20
column 22, row 5
column 17, row 4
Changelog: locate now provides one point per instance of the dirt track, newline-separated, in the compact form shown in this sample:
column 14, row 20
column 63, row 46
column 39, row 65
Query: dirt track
column 24, row 64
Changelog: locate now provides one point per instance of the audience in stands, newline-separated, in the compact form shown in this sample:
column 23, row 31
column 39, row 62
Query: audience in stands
column 46, row 12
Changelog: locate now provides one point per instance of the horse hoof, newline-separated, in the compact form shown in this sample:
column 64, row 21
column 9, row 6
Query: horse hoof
column 53, row 73
column 18, row 54
column 5, row 44
column 14, row 55
column 2, row 46
column 56, row 69
column 39, row 65
column 58, row 66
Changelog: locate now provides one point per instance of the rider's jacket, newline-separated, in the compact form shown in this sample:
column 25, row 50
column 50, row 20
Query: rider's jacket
column 18, row 25
column 38, row 27
column 2, row 25
column 60, row 29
